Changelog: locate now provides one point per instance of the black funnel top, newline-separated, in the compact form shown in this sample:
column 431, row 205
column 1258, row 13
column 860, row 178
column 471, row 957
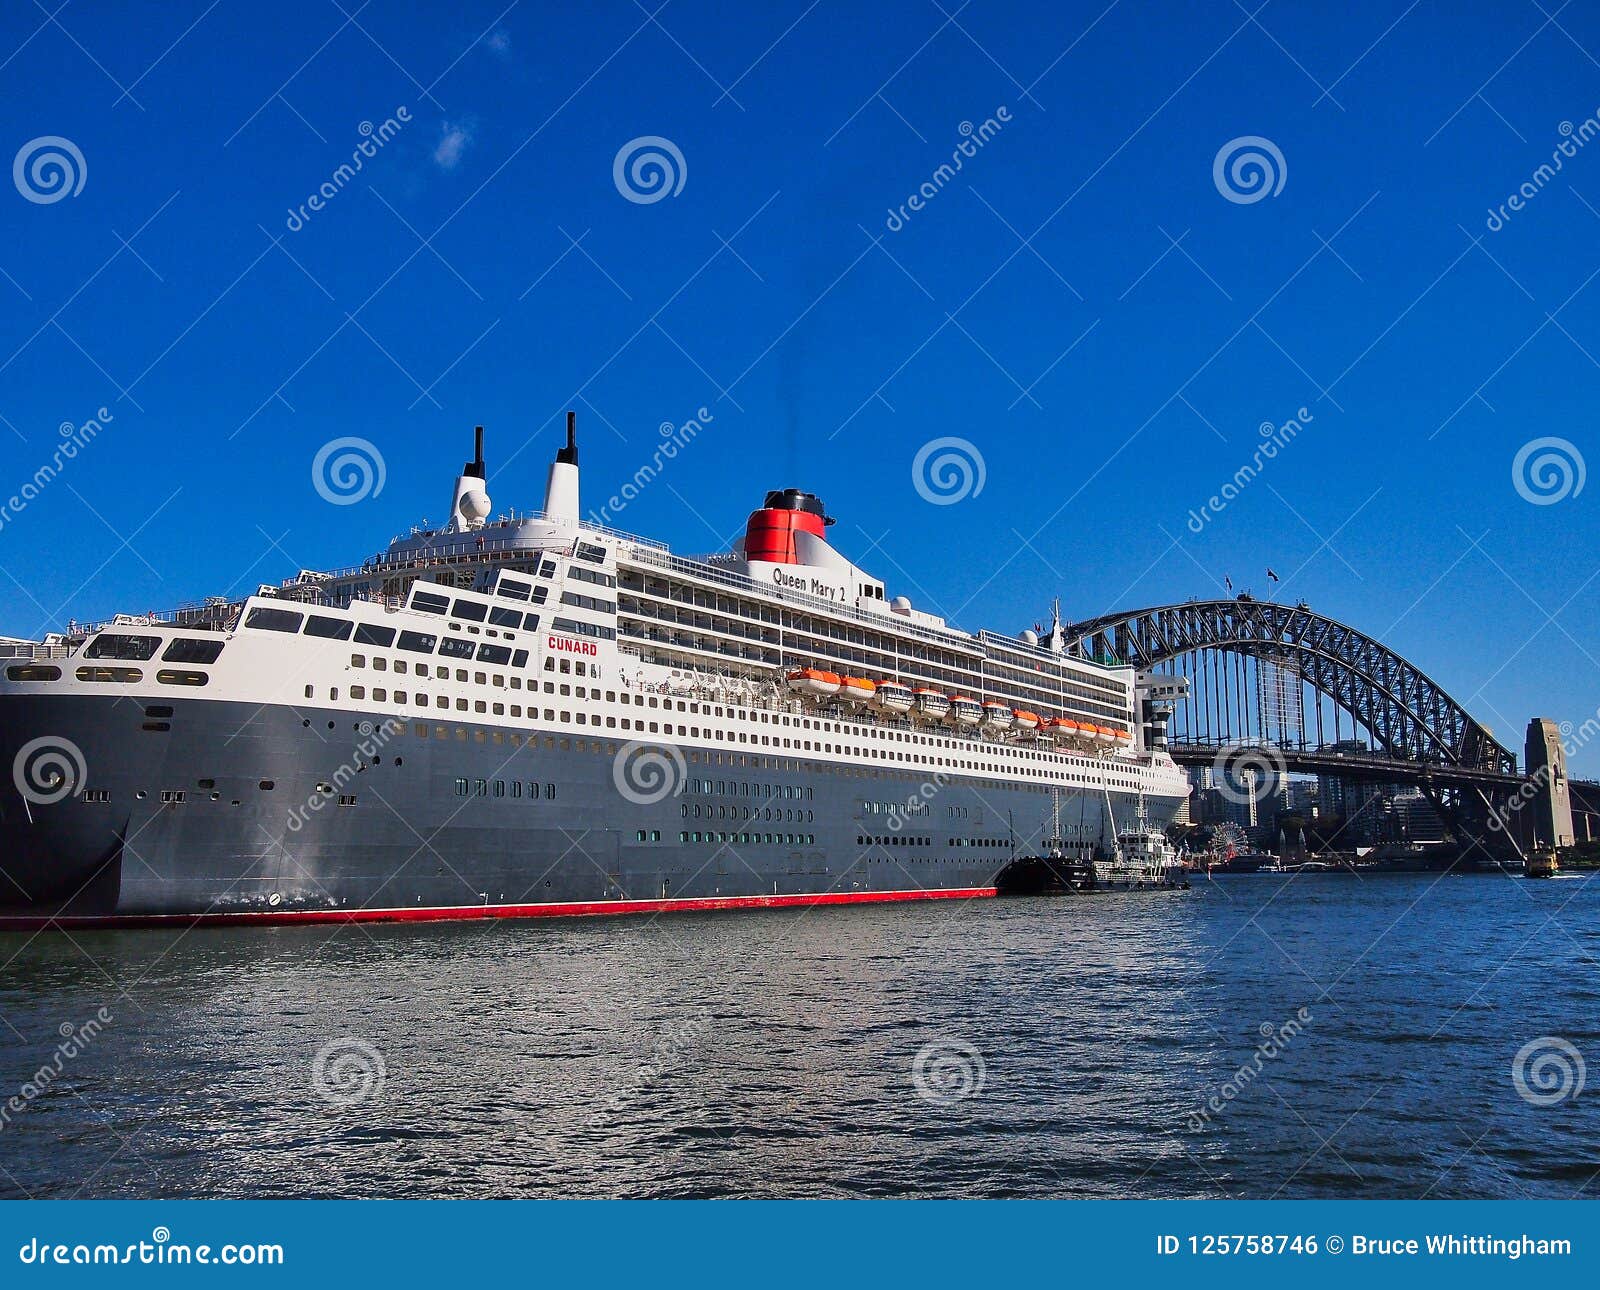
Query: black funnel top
column 475, row 466
column 794, row 499
column 569, row 454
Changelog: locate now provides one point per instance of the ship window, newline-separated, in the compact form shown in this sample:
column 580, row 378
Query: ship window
column 494, row 654
column 120, row 674
column 336, row 629
column 547, row 569
column 274, row 620
column 472, row 610
column 531, row 623
column 500, row 616
column 454, row 648
column 519, row 658
column 137, row 648
column 36, row 672
column 430, row 603
column 512, row 589
column 540, row 593
column 188, row 650
column 181, row 676
column 418, row 642
column 593, row 554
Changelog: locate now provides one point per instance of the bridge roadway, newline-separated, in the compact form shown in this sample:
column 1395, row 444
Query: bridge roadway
column 1375, row 766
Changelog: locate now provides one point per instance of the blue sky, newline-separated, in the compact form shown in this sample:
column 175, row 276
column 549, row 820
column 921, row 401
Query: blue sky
column 1035, row 306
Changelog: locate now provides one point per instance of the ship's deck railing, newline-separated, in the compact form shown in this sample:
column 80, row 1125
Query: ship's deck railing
column 832, row 608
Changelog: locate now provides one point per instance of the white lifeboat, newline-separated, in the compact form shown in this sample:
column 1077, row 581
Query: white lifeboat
column 996, row 715
column 814, row 683
column 856, row 689
column 930, row 703
column 965, row 711
column 892, row 696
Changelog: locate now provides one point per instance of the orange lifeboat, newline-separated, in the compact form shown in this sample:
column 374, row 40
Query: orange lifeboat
column 1122, row 736
column 814, row 683
column 1105, row 735
column 1064, row 727
column 1025, row 720
column 857, row 689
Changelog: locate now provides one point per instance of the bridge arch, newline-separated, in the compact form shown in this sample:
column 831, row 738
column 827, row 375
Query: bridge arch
column 1410, row 716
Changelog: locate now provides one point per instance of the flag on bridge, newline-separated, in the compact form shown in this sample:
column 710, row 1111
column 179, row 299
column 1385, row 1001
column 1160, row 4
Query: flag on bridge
column 1272, row 575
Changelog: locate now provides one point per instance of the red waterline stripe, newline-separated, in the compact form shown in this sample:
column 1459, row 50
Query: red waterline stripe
column 449, row 913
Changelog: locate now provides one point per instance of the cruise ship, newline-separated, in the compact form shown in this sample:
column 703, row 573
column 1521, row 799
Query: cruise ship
column 538, row 715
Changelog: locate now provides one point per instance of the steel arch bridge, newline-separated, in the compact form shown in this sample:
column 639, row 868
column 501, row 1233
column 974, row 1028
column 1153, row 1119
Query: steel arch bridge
column 1422, row 732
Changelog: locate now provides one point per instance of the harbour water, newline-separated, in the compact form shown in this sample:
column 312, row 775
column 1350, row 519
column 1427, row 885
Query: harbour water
column 1257, row 1036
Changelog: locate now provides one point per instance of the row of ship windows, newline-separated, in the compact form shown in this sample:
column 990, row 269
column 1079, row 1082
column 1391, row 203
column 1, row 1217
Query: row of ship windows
column 504, row 788
column 736, row 788
column 106, row 675
column 749, row 813
column 744, row 839
column 483, row 707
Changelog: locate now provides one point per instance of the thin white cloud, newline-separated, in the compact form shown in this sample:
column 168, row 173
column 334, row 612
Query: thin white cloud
column 500, row 43
column 453, row 141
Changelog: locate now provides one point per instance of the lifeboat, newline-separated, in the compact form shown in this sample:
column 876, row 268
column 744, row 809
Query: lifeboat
column 996, row 716
column 1105, row 735
column 1025, row 720
column 856, row 689
column 1123, row 737
column 1063, row 728
column 965, row 711
column 930, row 703
column 814, row 683
column 892, row 696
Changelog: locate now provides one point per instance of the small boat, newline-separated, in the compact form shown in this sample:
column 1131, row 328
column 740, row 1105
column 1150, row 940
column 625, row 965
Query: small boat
column 1104, row 735
column 1063, row 728
column 1122, row 736
column 892, row 696
column 856, row 689
column 1025, row 720
column 996, row 716
column 814, row 683
column 965, row 711
column 930, row 703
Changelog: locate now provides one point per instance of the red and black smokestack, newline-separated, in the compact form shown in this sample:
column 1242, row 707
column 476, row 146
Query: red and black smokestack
column 769, row 534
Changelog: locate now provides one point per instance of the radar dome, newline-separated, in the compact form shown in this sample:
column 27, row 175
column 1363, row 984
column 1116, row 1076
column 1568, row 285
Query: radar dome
column 474, row 506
